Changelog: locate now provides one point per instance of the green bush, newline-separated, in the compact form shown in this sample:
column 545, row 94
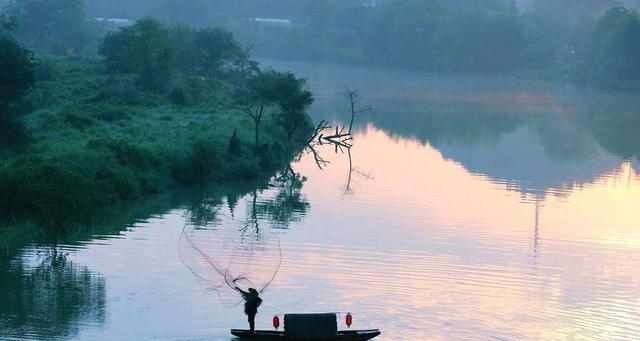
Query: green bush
column 270, row 156
column 199, row 164
column 235, row 145
column 97, row 139
column 123, row 180
column 112, row 114
column 245, row 168
column 78, row 121
column 178, row 96
column 126, row 153
column 46, row 69
column 51, row 193
column 196, row 88
column 13, row 135
column 118, row 92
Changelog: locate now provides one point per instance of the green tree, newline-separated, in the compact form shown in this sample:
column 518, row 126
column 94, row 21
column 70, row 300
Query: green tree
column 17, row 74
column 251, row 101
column 618, row 36
column 292, row 99
column 278, row 92
column 182, row 37
column 204, row 52
column 59, row 26
column 7, row 24
column 145, row 49
column 213, row 48
column 479, row 41
column 615, row 51
column 401, row 32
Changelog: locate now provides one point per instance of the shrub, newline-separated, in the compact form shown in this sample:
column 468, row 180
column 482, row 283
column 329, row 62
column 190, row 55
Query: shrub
column 269, row 156
column 198, row 165
column 245, row 168
column 126, row 153
column 121, row 91
column 178, row 96
column 196, row 89
column 235, row 145
column 123, row 180
column 13, row 135
column 51, row 193
column 78, row 121
column 111, row 114
column 45, row 69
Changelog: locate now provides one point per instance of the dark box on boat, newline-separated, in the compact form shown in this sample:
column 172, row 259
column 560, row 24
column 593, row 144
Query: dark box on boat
column 311, row 325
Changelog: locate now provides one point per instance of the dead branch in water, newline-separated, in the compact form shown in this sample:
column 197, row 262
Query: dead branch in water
column 354, row 99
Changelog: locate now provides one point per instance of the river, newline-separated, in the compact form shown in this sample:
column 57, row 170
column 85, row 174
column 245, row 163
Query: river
column 468, row 208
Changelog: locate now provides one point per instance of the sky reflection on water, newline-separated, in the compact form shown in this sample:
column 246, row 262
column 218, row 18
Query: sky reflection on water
column 462, row 254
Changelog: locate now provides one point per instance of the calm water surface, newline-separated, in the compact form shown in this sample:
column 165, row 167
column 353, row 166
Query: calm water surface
column 467, row 209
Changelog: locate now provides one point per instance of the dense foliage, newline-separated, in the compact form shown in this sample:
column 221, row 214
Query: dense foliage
column 145, row 49
column 614, row 52
column 451, row 36
column 162, row 56
column 154, row 104
column 534, row 37
column 153, row 114
column 17, row 74
column 564, row 39
column 58, row 26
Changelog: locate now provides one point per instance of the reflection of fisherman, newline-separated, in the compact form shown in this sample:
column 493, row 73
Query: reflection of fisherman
column 251, row 303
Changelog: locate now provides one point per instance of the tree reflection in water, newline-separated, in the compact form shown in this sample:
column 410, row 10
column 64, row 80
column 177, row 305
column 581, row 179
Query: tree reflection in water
column 224, row 249
column 44, row 295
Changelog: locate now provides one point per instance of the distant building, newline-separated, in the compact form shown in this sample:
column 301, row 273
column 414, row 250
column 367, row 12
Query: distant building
column 274, row 22
column 114, row 23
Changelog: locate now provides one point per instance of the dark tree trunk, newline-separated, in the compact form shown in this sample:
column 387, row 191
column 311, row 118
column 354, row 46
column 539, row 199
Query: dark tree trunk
column 257, row 133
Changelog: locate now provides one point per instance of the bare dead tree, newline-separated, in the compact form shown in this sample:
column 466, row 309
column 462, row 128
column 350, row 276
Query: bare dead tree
column 348, row 187
column 320, row 161
column 354, row 98
column 317, row 133
column 340, row 137
column 314, row 141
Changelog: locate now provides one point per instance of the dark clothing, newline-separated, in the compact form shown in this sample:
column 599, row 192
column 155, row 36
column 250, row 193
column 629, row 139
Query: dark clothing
column 251, row 303
column 252, row 322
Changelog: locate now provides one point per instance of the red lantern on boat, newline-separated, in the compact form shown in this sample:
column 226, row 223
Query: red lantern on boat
column 276, row 322
column 349, row 320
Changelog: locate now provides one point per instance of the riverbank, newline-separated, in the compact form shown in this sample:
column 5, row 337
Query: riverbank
column 94, row 140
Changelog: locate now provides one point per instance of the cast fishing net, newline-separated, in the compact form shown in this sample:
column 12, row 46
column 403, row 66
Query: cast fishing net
column 226, row 253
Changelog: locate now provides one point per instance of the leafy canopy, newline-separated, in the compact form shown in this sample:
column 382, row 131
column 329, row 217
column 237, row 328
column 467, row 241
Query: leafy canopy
column 144, row 49
column 16, row 71
column 58, row 26
column 290, row 97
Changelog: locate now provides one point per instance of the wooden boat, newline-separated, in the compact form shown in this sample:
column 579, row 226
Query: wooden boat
column 347, row 335
column 309, row 327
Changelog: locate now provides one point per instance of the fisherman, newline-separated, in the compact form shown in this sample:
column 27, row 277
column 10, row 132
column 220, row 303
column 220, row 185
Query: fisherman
column 252, row 301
